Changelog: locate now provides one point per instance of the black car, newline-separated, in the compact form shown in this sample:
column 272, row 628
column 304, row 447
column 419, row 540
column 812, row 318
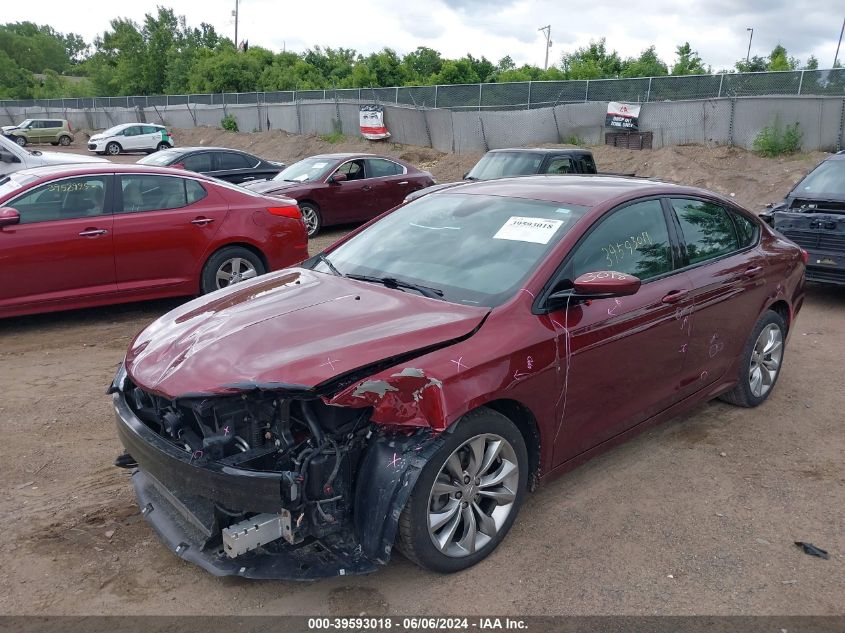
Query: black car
column 813, row 216
column 502, row 163
column 219, row 162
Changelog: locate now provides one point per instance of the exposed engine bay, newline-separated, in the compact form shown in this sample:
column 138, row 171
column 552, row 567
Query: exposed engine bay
column 234, row 478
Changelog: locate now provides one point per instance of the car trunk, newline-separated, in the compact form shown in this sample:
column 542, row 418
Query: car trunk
column 818, row 226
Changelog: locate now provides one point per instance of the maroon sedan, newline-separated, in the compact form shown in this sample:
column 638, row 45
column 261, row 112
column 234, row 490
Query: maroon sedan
column 343, row 188
column 74, row 236
column 409, row 385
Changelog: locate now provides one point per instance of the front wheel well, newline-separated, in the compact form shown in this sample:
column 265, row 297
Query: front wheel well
column 782, row 309
column 524, row 420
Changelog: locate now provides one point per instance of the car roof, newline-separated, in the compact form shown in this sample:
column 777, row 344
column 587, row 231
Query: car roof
column 542, row 150
column 203, row 148
column 85, row 169
column 348, row 155
column 583, row 189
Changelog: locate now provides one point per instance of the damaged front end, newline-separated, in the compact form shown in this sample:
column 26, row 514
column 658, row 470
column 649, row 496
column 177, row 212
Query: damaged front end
column 268, row 483
column 817, row 226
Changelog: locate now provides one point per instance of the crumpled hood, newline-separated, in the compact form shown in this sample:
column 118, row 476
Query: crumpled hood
column 271, row 186
column 291, row 328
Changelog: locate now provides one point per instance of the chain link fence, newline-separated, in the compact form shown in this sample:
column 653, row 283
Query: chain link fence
column 506, row 96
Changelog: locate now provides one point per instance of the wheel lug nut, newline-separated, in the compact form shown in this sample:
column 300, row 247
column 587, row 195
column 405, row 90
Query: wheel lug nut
column 458, row 495
column 464, row 505
column 466, row 479
column 478, row 481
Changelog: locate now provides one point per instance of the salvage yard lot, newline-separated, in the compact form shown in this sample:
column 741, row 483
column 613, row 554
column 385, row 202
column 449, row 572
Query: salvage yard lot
column 696, row 516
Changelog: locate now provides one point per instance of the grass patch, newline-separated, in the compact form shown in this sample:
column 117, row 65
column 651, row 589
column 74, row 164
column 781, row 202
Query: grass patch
column 333, row 138
column 773, row 140
column 229, row 123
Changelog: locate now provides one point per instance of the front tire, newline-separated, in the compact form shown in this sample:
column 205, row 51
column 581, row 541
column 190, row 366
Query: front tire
column 21, row 140
column 113, row 149
column 467, row 496
column 761, row 362
column 311, row 216
column 229, row 266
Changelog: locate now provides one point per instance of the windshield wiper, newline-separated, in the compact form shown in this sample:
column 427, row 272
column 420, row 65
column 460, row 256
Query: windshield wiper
column 331, row 266
column 392, row 282
column 470, row 178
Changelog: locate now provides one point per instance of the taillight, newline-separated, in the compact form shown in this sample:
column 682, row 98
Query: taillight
column 178, row 166
column 805, row 256
column 286, row 212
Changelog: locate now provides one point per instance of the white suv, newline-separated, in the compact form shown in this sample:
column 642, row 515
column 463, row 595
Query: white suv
column 131, row 137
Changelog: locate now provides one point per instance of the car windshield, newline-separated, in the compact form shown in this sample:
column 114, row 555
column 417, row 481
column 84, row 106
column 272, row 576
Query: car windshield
column 305, row 170
column 113, row 130
column 24, row 123
column 828, row 178
column 159, row 158
column 501, row 164
column 476, row 249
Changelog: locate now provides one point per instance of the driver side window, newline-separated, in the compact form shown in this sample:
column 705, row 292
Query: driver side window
column 633, row 240
column 354, row 170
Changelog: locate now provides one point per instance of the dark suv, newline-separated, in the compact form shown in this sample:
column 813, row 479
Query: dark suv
column 813, row 216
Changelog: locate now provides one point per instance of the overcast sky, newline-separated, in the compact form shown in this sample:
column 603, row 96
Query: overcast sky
column 492, row 28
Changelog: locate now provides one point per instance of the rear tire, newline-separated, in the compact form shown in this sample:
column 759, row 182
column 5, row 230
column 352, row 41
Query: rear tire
column 113, row 149
column 162, row 146
column 64, row 141
column 311, row 216
column 762, row 359
column 470, row 506
column 228, row 266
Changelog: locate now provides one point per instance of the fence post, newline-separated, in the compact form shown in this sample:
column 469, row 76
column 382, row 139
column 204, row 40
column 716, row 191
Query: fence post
column 396, row 96
column 435, row 95
column 648, row 90
column 479, row 97
column 721, row 79
column 586, row 91
column 731, row 124
column 800, row 82
column 839, row 139
column 529, row 96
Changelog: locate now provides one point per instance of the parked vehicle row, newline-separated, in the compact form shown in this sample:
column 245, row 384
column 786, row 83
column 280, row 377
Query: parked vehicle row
column 15, row 157
column 226, row 164
column 131, row 137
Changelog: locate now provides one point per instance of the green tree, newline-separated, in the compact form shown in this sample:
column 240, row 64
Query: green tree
column 592, row 62
column 755, row 65
column 779, row 60
column 812, row 63
column 648, row 64
column 422, row 64
column 689, row 63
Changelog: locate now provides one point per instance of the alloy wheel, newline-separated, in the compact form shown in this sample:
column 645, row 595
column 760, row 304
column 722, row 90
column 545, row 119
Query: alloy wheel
column 234, row 270
column 473, row 495
column 766, row 358
column 309, row 215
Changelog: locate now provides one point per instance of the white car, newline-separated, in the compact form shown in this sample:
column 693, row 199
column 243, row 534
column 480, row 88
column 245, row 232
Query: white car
column 131, row 137
column 14, row 157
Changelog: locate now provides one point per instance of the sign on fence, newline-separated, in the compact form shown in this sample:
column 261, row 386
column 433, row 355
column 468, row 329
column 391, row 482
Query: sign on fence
column 625, row 116
column 371, row 117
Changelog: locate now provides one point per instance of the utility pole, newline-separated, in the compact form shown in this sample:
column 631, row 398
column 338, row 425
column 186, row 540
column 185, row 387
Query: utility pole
column 235, row 13
column 750, row 37
column 841, row 31
column 547, row 30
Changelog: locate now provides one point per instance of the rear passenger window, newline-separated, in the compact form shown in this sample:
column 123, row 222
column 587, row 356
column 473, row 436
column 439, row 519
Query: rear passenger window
column 149, row 129
column 632, row 240
column 230, row 160
column 560, row 165
column 706, row 228
column 158, row 193
column 379, row 168
column 745, row 228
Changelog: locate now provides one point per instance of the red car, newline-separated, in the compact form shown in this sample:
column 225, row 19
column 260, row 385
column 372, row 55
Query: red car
column 343, row 188
column 79, row 236
column 410, row 384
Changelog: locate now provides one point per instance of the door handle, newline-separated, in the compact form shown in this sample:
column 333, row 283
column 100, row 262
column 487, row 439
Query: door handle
column 403, row 183
column 249, row 178
column 675, row 296
column 366, row 188
column 752, row 271
column 202, row 221
column 92, row 232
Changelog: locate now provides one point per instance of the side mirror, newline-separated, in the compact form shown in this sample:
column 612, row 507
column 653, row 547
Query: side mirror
column 9, row 216
column 337, row 178
column 597, row 285
column 606, row 283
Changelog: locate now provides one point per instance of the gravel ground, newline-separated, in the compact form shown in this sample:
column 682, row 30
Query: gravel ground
column 697, row 516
